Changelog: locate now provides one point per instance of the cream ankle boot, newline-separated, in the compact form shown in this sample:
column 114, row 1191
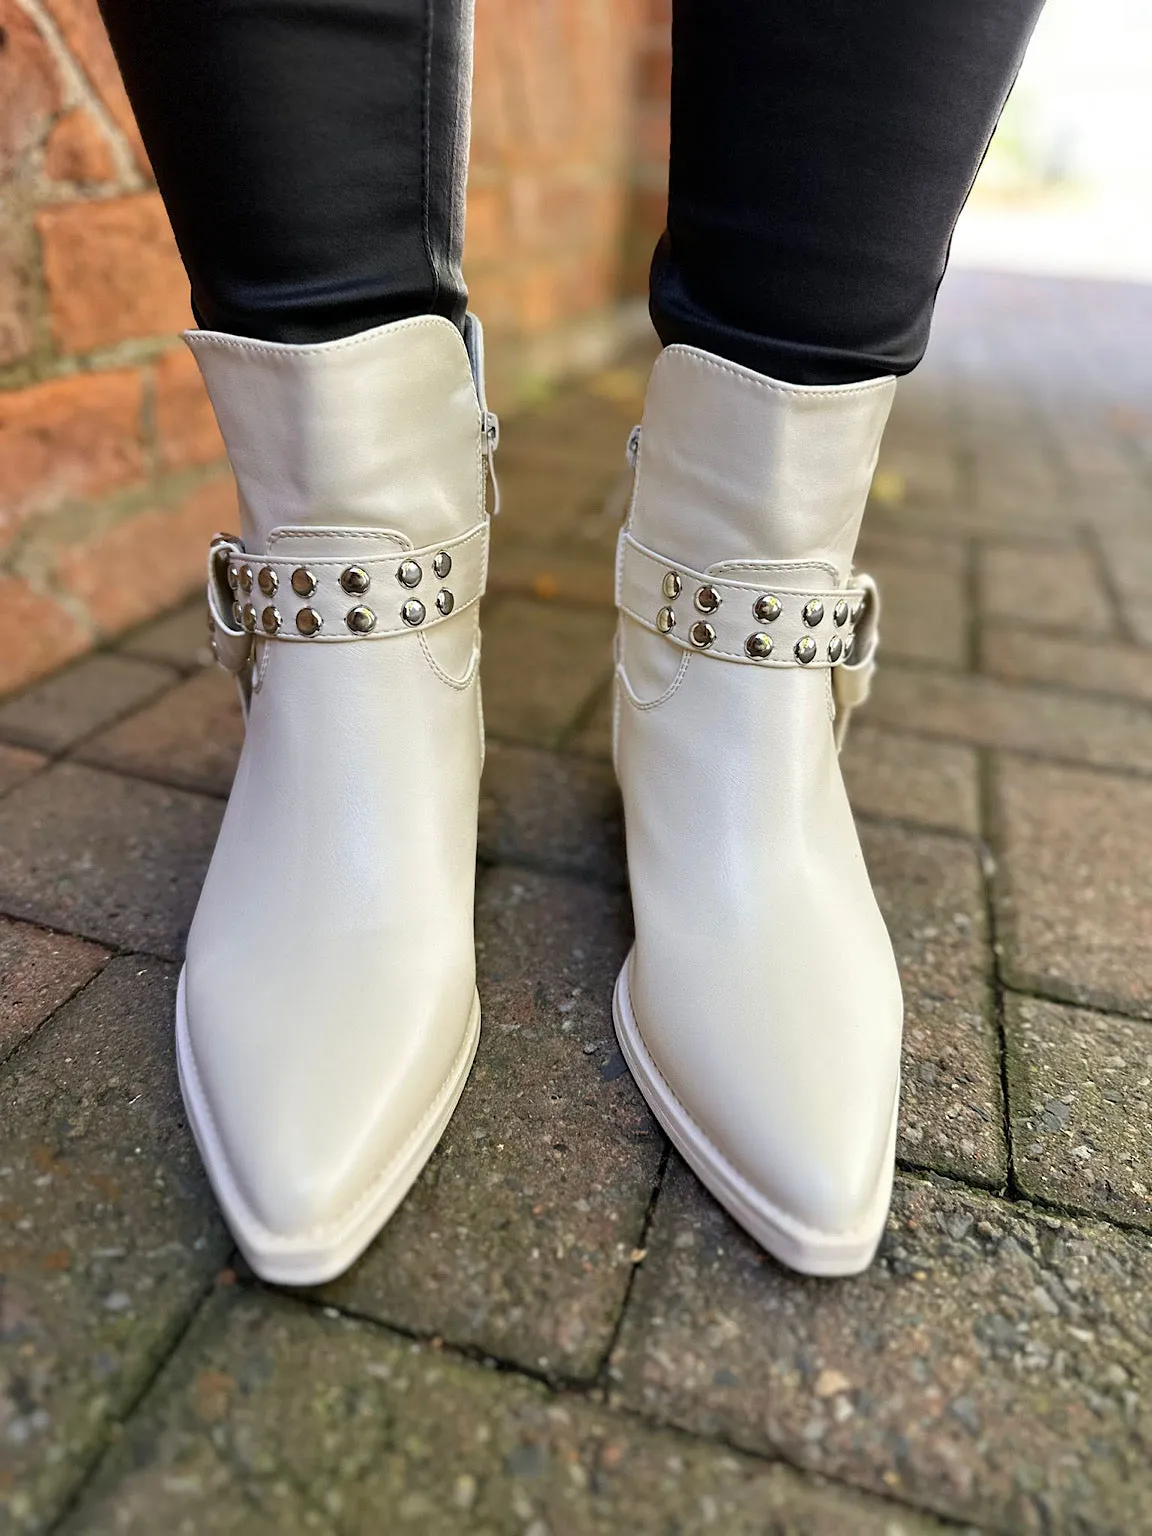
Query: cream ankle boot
column 760, row 1008
column 327, row 1014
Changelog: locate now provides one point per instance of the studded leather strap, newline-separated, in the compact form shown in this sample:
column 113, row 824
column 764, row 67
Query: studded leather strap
column 378, row 592
column 756, row 623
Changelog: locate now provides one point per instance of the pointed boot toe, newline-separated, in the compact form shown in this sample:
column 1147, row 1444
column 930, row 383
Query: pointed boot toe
column 327, row 1016
column 760, row 1009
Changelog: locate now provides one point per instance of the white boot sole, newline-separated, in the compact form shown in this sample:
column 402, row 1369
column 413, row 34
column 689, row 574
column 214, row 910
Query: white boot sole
column 324, row 1253
column 805, row 1249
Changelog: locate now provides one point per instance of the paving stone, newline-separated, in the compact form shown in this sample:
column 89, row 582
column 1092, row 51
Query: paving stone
column 1097, row 666
column 1074, row 884
column 1080, row 1090
column 988, row 1366
column 904, row 778
column 541, row 664
column 274, row 1420
column 527, row 569
column 951, row 1110
column 594, row 738
column 518, row 1238
column 925, row 613
column 16, row 765
column 60, row 710
column 884, row 545
column 39, row 970
column 190, row 737
column 179, row 639
column 1105, row 733
column 109, row 1233
column 560, row 813
column 113, row 859
column 1056, row 588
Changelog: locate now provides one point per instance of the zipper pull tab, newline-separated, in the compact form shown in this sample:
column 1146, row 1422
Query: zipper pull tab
column 632, row 452
column 491, row 429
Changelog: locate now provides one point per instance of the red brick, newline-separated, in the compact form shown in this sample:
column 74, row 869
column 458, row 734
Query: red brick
column 78, row 151
column 36, row 634
column 186, row 430
column 112, row 272
column 79, row 22
column 72, row 437
column 29, row 85
column 19, row 277
column 104, row 571
column 486, row 236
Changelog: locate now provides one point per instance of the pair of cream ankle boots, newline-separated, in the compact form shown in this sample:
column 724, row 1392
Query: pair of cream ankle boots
column 327, row 1014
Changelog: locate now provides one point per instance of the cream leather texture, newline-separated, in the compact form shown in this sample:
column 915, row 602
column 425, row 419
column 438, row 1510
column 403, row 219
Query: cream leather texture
column 761, row 1006
column 328, row 1008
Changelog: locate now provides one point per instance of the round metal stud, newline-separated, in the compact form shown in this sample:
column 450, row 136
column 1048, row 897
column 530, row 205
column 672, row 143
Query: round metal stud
column 759, row 647
column 246, row 578
column 360, row 620
column 835, row 647
column 858, row 612
column 702, row 635
column 445, row 602
column 707, row 599
column 303, row 584
column 671, row 586
column 233, row 578
column 442, row 565
column 237, row 614
column 805, row 650
column 271, row 620
column 666, row 620
column 409, row 574
column 267, row 580
column 413, row 611
column 840, row 613
column 308, row 621
column 813, row 612
column 767, row 609
column 849, row 647
column 249, row 617
column 355, row 580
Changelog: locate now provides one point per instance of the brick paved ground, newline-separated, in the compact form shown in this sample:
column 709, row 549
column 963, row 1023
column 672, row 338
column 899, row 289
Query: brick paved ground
column 560, row 1333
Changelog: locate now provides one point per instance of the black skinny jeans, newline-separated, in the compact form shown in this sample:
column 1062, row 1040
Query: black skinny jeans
column 311, row 154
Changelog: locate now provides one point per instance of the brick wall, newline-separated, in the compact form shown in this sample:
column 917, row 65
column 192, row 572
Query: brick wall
column 107, row 444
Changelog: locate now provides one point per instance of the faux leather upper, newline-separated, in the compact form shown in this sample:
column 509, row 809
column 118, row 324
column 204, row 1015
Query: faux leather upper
column 762, row 980
column 330, row 971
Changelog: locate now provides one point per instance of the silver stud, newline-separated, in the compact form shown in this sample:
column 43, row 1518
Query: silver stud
column 849, row 647
column 759, row 647
column 237, row 614
column 267, row 580
column 835, row 647
column 813, row 612
column 666, row 620
column 355, row 580
column 805, row 650
column 233, row 578
column 702, row 635
column 442, row 565
column 413, row 611
column 303, row 583
column 767, row 609
column 409, row 574
column 360, row 620
column 246, row 578
column 249, row 617
column 271, row 620
column 445, row 602
column 840, row 613
column 671, row 585
column 308, row 621
column 707, row 599
column 858, row 612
